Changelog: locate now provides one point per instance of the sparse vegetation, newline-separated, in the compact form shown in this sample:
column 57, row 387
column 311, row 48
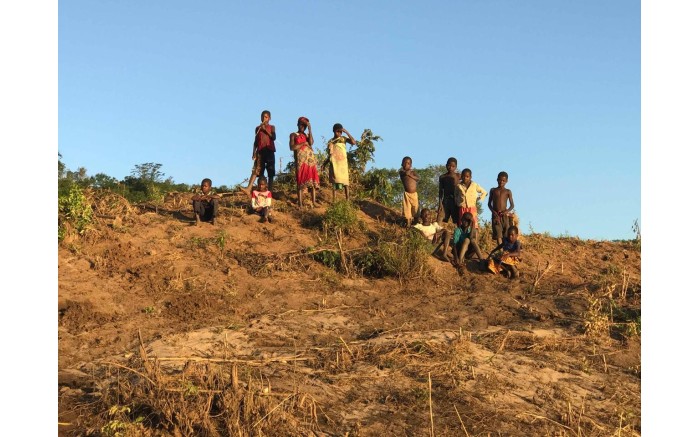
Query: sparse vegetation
column 332, row 321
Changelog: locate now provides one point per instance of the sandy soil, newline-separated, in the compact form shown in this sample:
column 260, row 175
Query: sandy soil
column 554, row 352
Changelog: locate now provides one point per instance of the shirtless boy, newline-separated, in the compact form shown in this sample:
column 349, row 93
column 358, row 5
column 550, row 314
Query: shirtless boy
column 499, row 198
column 409, row 178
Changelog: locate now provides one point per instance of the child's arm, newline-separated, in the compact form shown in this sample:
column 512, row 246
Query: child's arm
column 481, row 191
column 490, row 204
column 351, row 140
column 510, row 199
column 292, row 143
column 496, row 249
column 412, row 174
column 272, row 134
column 515, row 253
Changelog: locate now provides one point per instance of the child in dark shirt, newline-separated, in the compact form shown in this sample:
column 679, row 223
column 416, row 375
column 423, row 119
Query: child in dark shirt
column 205, row 203
column 446, row 192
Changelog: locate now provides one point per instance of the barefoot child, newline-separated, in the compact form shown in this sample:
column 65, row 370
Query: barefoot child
column 435, row 233
column 409, row 178
column 507, row 262
column 338, row 158
column 446, row 192
column 466, row 196
column 307, row 172
column 261, row 201
column 499, row 198
column 464, row 240
column 205, row 203
column 263, row 150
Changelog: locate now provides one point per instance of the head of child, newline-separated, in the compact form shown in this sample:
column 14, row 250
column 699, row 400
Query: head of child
column 451, row 165
column 406, row 163
column 512, row 234
column 262, row 184
column 337, row 130
column 302, row 122
column 425, row 216
column 502, row 179
column 467, row 219
column 466, row 176
column 265, row 116
column 206, row 185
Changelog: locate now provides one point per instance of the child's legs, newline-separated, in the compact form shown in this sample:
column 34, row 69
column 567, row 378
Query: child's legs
column 407, row 207
column 451, row 210
column 214, row 206
column 496, row 228
column 198, row 207
column 463, row 246
column 268, row 163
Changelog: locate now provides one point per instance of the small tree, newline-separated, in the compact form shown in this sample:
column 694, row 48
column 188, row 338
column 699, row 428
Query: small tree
column 143, row 180
column 362, row 154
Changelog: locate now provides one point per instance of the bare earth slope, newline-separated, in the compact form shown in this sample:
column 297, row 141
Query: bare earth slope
column 239, row 328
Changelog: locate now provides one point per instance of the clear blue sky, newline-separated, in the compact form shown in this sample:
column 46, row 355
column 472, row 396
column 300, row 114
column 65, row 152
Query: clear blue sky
column 548, row 91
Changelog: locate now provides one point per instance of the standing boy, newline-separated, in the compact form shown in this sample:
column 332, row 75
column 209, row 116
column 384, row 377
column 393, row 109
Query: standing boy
column 410, row 190
column 263, row 150
column 205, row 203
column 446, row 192
column 466, row 196
column 499, row 197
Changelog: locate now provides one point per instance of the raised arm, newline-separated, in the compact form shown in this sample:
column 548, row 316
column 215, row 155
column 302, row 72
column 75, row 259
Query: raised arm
column 351, row 140
column 310, row 137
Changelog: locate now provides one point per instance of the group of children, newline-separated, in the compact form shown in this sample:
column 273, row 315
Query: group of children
column 457, row 195
column 205, row 202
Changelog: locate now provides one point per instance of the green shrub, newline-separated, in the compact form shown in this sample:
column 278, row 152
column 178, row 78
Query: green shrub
column 75, row 211
column 407, row 258
column 341, row 216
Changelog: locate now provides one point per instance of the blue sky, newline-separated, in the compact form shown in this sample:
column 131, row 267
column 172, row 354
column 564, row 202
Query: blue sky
column 548, row 91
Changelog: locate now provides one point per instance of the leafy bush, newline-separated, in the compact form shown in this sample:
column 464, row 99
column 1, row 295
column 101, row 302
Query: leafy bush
column 406, row 258
column 74, row 211
column 341, row 216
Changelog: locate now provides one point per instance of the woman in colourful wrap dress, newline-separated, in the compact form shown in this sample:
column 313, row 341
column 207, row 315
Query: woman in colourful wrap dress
column 307, row 171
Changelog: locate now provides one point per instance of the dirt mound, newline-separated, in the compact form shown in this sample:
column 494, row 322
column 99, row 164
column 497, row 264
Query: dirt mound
column 244, row 328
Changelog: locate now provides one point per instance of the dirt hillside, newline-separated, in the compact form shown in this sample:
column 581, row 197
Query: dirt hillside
column 242, row 328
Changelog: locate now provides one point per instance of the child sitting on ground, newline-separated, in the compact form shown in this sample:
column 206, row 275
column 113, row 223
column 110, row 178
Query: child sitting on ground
column 261, row 201
column 205, row 203
column 507, row 262
column 464, row 240
column 433, row 232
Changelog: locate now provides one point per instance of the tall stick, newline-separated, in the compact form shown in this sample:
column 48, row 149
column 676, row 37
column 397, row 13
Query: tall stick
column 430, row 403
